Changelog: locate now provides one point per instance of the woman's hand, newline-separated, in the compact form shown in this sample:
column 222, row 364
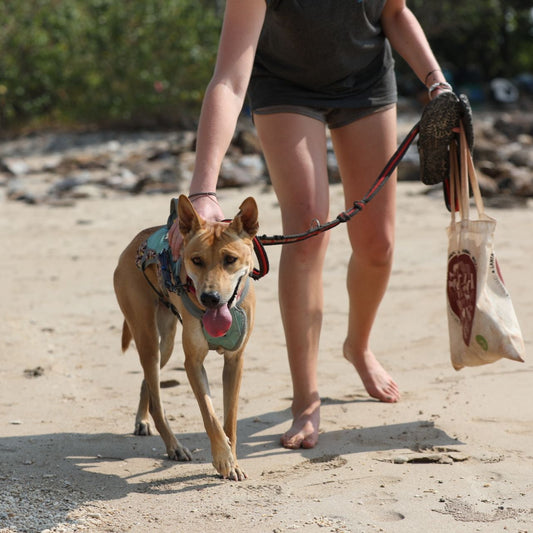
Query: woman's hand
column 207, row 207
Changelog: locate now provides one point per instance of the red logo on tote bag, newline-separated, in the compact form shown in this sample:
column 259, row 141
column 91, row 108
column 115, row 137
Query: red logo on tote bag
column 461, row 290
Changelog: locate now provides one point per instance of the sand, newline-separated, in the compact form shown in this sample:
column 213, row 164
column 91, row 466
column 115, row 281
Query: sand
column 455, row 454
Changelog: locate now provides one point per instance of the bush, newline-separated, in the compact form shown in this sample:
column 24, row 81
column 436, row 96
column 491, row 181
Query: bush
column 103, row 61
column 147, row 62
column 491, row 38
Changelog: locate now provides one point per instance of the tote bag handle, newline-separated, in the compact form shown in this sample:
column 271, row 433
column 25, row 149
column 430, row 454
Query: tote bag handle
column 460, row 176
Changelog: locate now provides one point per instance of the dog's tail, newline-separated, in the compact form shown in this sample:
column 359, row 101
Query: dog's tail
column 126, row 336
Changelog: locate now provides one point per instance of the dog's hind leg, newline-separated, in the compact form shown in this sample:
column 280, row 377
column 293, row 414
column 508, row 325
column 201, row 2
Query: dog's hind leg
column 166, row 323
column 142, row 419
column 148, row 347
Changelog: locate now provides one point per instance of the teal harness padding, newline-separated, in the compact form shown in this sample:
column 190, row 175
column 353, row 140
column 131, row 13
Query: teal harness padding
column 233, row 338
column 158, row 243
column 156, row 250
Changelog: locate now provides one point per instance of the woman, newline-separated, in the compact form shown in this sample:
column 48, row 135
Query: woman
column 307, row 63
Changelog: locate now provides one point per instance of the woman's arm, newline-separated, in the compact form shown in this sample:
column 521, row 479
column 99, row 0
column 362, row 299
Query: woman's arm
column 224, row 98
column 222, row 104
column 407, row 37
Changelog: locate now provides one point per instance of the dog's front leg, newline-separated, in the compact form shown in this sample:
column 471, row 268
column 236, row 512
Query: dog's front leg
column 223, row 459
column 231, row 379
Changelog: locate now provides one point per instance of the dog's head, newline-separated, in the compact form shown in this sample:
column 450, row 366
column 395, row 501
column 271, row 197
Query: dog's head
column 217, row 256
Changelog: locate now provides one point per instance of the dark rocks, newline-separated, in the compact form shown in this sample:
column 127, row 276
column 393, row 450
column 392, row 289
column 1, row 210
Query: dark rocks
column 60, row 168
column 49, row 167
column 503, row 154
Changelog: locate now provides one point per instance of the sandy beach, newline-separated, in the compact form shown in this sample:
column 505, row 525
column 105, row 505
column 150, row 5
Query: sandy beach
column 454, row 455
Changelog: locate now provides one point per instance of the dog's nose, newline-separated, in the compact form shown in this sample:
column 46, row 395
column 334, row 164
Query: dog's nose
column 210, row 299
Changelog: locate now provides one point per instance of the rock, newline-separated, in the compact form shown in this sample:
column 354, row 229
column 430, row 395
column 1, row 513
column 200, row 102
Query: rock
column 254, row 165
column 16, row 167
column 488, row 187
column 522, row 156
column 36, row 372
column 124, row 180
column 514, row 124
column 400, row 460
column 517, row 181
column 86, row 161
column 233, row 175
column 486, row 149
column 185, row 167
column 409, row 167
column 248, row 142
column 88, row 191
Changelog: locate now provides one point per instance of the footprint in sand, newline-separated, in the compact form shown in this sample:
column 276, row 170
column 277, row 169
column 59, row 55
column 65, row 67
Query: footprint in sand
column 324, row 462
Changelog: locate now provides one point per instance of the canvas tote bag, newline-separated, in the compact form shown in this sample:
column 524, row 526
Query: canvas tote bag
column 482, row 323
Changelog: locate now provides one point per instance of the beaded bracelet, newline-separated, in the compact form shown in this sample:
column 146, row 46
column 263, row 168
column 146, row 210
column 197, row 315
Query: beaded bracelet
column 439, row 85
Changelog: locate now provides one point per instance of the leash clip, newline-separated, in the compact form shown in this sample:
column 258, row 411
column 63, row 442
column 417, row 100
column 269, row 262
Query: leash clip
column 315, row 224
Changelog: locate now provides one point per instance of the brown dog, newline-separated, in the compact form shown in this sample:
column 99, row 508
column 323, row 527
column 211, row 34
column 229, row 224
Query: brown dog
column 216, row 294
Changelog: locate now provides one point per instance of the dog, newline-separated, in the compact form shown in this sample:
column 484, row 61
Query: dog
column 215, row 297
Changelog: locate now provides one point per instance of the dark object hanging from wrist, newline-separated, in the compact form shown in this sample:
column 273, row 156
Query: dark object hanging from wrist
column 439, row 118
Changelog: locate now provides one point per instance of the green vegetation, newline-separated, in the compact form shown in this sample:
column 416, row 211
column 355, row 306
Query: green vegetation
column 491, row 36
column 71, row 61
column 147, row 62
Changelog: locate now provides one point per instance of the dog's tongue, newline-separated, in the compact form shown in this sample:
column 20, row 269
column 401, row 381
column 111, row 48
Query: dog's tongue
column 217, row 321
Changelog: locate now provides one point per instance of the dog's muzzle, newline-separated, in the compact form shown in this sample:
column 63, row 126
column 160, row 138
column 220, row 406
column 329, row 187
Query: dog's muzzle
column 210, row 299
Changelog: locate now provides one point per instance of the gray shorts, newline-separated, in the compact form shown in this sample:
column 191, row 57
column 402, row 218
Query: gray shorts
column 333, row 117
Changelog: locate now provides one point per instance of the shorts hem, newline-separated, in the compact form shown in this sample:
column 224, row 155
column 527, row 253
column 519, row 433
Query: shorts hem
column 333, row 117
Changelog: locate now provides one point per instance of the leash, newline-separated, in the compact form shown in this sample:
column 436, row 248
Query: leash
column 358, row 205
column 265, row 240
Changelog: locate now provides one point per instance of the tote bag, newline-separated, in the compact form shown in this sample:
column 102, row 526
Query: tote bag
column 482, row 323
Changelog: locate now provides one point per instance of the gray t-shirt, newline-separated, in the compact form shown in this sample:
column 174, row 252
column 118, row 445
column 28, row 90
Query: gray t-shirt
column 323, row 53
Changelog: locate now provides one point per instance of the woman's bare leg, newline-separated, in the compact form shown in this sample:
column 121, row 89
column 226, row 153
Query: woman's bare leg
column 295, row 150
column 363, row 148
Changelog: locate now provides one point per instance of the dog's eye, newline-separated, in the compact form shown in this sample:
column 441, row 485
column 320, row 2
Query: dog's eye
column 197, row 261
column 229, row 259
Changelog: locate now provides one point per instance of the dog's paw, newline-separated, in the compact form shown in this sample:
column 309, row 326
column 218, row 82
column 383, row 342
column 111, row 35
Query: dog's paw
column 237, row 474
column 228, row 469
column 179, row 453
column 142, row 428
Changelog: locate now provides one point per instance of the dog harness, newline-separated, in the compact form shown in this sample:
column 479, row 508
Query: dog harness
column 156, row 251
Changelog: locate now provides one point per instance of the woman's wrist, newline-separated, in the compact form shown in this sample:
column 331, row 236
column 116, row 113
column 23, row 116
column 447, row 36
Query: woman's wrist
column 206, row 205
column 210, row 194
column 433, row 76
column 435, row 82
column 439, row 87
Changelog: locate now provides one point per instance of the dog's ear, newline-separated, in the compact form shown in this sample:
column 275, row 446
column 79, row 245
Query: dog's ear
column 246, row 219
column 188, row 218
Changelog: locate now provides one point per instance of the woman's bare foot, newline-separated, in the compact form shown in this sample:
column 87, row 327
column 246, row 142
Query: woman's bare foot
column 378, row 383
column 304, row 430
